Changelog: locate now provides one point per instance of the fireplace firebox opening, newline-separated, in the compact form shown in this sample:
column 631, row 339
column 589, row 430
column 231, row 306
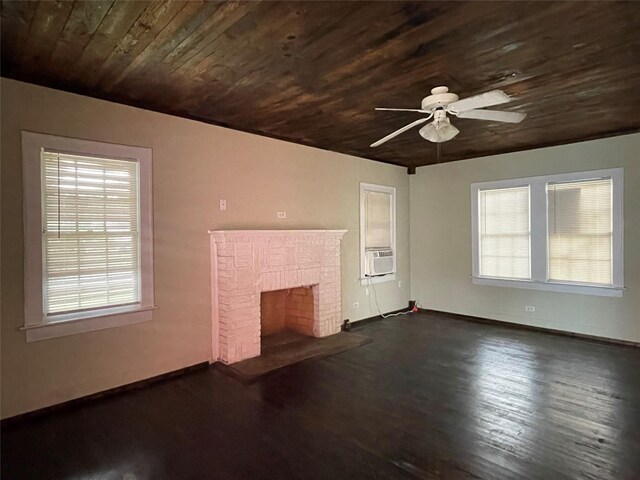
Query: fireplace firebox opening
column 286, row 314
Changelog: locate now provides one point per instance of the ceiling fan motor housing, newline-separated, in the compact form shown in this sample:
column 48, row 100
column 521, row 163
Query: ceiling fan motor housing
column 440, row 97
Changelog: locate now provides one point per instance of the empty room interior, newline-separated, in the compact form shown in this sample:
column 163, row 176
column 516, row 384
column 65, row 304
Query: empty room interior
column 320, row 240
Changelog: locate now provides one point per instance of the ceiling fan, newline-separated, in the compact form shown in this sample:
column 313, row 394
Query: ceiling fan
column 441, row 102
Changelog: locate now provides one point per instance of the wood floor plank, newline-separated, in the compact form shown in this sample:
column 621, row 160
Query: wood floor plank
column 432, row 397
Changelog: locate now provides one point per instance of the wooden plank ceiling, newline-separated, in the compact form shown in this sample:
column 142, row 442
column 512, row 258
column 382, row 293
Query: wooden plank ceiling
column 312, row 72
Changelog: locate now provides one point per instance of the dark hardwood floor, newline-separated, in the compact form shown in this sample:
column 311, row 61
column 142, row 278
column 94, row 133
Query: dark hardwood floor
column 431, row 397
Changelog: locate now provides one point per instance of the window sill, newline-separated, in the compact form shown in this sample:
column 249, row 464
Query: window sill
column 390, row 277
column 98, row 321
column 550, row 287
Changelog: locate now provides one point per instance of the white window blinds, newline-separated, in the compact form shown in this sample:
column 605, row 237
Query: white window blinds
column 378, row 228
column 504, row 233
column 580, row 231
column 91, row 241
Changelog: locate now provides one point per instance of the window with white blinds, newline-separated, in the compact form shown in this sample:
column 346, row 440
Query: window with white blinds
column 559, row 233
column 91, row 241
column 377, row 231
column 580, row 231
column 505, row 233
column 378, row 227
column 88, row 232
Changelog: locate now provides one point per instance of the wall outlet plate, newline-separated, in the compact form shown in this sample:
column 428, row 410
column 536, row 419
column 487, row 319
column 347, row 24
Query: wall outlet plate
column 530, row 308
column 223, row 204
column 282, row 214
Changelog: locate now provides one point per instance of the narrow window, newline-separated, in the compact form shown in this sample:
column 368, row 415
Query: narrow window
column 377, row 233
column 377, row 220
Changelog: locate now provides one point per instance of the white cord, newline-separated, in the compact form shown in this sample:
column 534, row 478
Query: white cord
column 375, row 297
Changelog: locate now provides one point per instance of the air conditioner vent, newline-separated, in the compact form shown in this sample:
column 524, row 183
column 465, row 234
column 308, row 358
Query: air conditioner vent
column 379, row 262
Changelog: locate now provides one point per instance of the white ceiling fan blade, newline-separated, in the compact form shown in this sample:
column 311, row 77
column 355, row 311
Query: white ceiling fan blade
column 487, row 99
column 403, row 110
column 401, row 130
column 495, row 115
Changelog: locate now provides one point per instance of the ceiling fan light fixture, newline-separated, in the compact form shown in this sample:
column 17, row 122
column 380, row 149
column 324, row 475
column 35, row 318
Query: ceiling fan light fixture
column 440, row 130
column 429, row 132
column 446, row 130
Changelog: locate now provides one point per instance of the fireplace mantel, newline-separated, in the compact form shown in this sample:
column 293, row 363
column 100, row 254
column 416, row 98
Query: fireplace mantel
column 245, row 263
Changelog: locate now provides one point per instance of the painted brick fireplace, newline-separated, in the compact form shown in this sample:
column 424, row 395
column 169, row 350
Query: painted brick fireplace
column 245, row 263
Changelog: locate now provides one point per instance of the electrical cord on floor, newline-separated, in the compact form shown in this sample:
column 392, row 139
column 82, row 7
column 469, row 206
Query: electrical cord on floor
column 375, row 298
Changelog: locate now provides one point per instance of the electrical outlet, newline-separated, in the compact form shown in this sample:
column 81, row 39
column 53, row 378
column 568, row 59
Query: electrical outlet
column 356, row 304
column 282, row 214
column 223, row 204
column 530, row 308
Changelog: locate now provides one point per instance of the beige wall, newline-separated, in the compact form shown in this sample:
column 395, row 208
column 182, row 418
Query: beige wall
column 441, row 241
column 194, row 165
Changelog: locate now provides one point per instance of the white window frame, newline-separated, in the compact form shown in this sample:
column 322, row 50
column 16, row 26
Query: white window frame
column 539, row 229
column 37, row 325
column 389, row 277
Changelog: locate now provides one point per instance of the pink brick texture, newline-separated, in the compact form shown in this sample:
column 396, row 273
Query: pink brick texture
column 248, row 262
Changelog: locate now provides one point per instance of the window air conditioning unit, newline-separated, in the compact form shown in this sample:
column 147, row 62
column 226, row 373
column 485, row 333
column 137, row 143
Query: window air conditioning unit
column 379, row 262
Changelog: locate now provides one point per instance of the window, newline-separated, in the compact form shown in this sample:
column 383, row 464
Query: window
column 505, row 234
column 580, row 231
column 377, row 233
column 88, row 235
column 560, row 232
